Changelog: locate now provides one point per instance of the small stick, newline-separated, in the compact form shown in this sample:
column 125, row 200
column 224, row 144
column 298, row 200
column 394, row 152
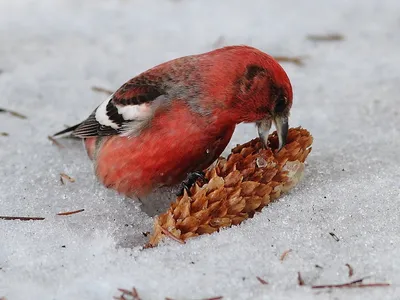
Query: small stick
column 148, row 246
column 318, row 266
column 261, row 280
column 4, row 134
column 134, row 294
column 21, row 218
column 300, row 279
column 13, row 113
column 170, row 235
column 334, row 236
column 55, row 142
column 284, row 254
column 70, row 212
column 325, row 37
column 67, row 177
column 353, row 284
column 351, row 271
column 102, row 90
column 297, row 60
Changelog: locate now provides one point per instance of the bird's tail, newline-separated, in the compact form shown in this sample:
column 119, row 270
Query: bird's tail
column 69, row 129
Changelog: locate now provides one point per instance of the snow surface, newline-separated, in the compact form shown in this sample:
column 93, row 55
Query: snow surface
column 346, row 94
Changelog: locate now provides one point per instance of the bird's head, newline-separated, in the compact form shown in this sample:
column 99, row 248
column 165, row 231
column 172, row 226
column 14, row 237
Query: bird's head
column 271, row 101
column 262, row 92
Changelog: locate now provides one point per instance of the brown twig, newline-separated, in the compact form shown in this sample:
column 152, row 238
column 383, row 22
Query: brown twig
column 70, row 212
column 352, row 284
column 148, row 246
column 284, row 254
column 134, row 294
column 300, row 280
column 334, row 236
column 297, row 60
column 325, row 37
column 101, row 90
column 21, row 218
column 13, row 113
column 170, row 235
column 363, row 285
column 67, row 177
column 261, row 280
column 351, row 271
column 4, row 134
column 55, row 142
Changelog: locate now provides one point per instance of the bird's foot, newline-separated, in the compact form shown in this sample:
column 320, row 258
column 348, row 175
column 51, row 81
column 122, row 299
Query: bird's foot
column 190, row 181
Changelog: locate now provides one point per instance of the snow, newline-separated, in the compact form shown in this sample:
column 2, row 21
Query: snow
column 346, row 94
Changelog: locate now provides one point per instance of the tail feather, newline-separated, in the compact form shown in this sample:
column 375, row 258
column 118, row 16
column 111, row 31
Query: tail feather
column 69, row 129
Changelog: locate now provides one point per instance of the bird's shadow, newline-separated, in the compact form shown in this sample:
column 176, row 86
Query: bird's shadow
column 135, row 232
column 158, row 201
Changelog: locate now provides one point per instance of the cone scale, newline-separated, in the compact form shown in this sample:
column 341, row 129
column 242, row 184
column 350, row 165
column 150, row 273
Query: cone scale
column 238, row 187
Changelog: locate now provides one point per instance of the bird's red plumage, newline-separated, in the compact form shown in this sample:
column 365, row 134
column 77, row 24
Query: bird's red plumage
column 203, row 98
column 177, row 143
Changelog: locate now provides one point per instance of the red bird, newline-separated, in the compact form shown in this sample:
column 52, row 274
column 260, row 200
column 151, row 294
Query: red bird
column 178, row 117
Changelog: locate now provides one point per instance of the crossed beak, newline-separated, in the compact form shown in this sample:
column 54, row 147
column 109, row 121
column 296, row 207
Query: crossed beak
column 282, row 126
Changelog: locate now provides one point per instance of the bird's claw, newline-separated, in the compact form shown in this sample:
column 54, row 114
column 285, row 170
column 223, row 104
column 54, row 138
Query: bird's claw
column 190, row 181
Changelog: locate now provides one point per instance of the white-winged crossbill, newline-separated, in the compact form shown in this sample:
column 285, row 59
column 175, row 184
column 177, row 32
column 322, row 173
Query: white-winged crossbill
column 178, row 117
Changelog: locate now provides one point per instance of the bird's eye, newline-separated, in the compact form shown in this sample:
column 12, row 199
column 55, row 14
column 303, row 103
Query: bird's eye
column 280, row 105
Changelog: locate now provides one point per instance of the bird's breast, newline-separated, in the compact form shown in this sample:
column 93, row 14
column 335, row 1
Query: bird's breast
column 174, row 144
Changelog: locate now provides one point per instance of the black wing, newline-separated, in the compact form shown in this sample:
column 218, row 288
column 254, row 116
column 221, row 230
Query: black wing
column 128, row 104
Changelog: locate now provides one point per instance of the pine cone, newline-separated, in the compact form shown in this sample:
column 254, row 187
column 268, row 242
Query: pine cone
column 238, row 187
